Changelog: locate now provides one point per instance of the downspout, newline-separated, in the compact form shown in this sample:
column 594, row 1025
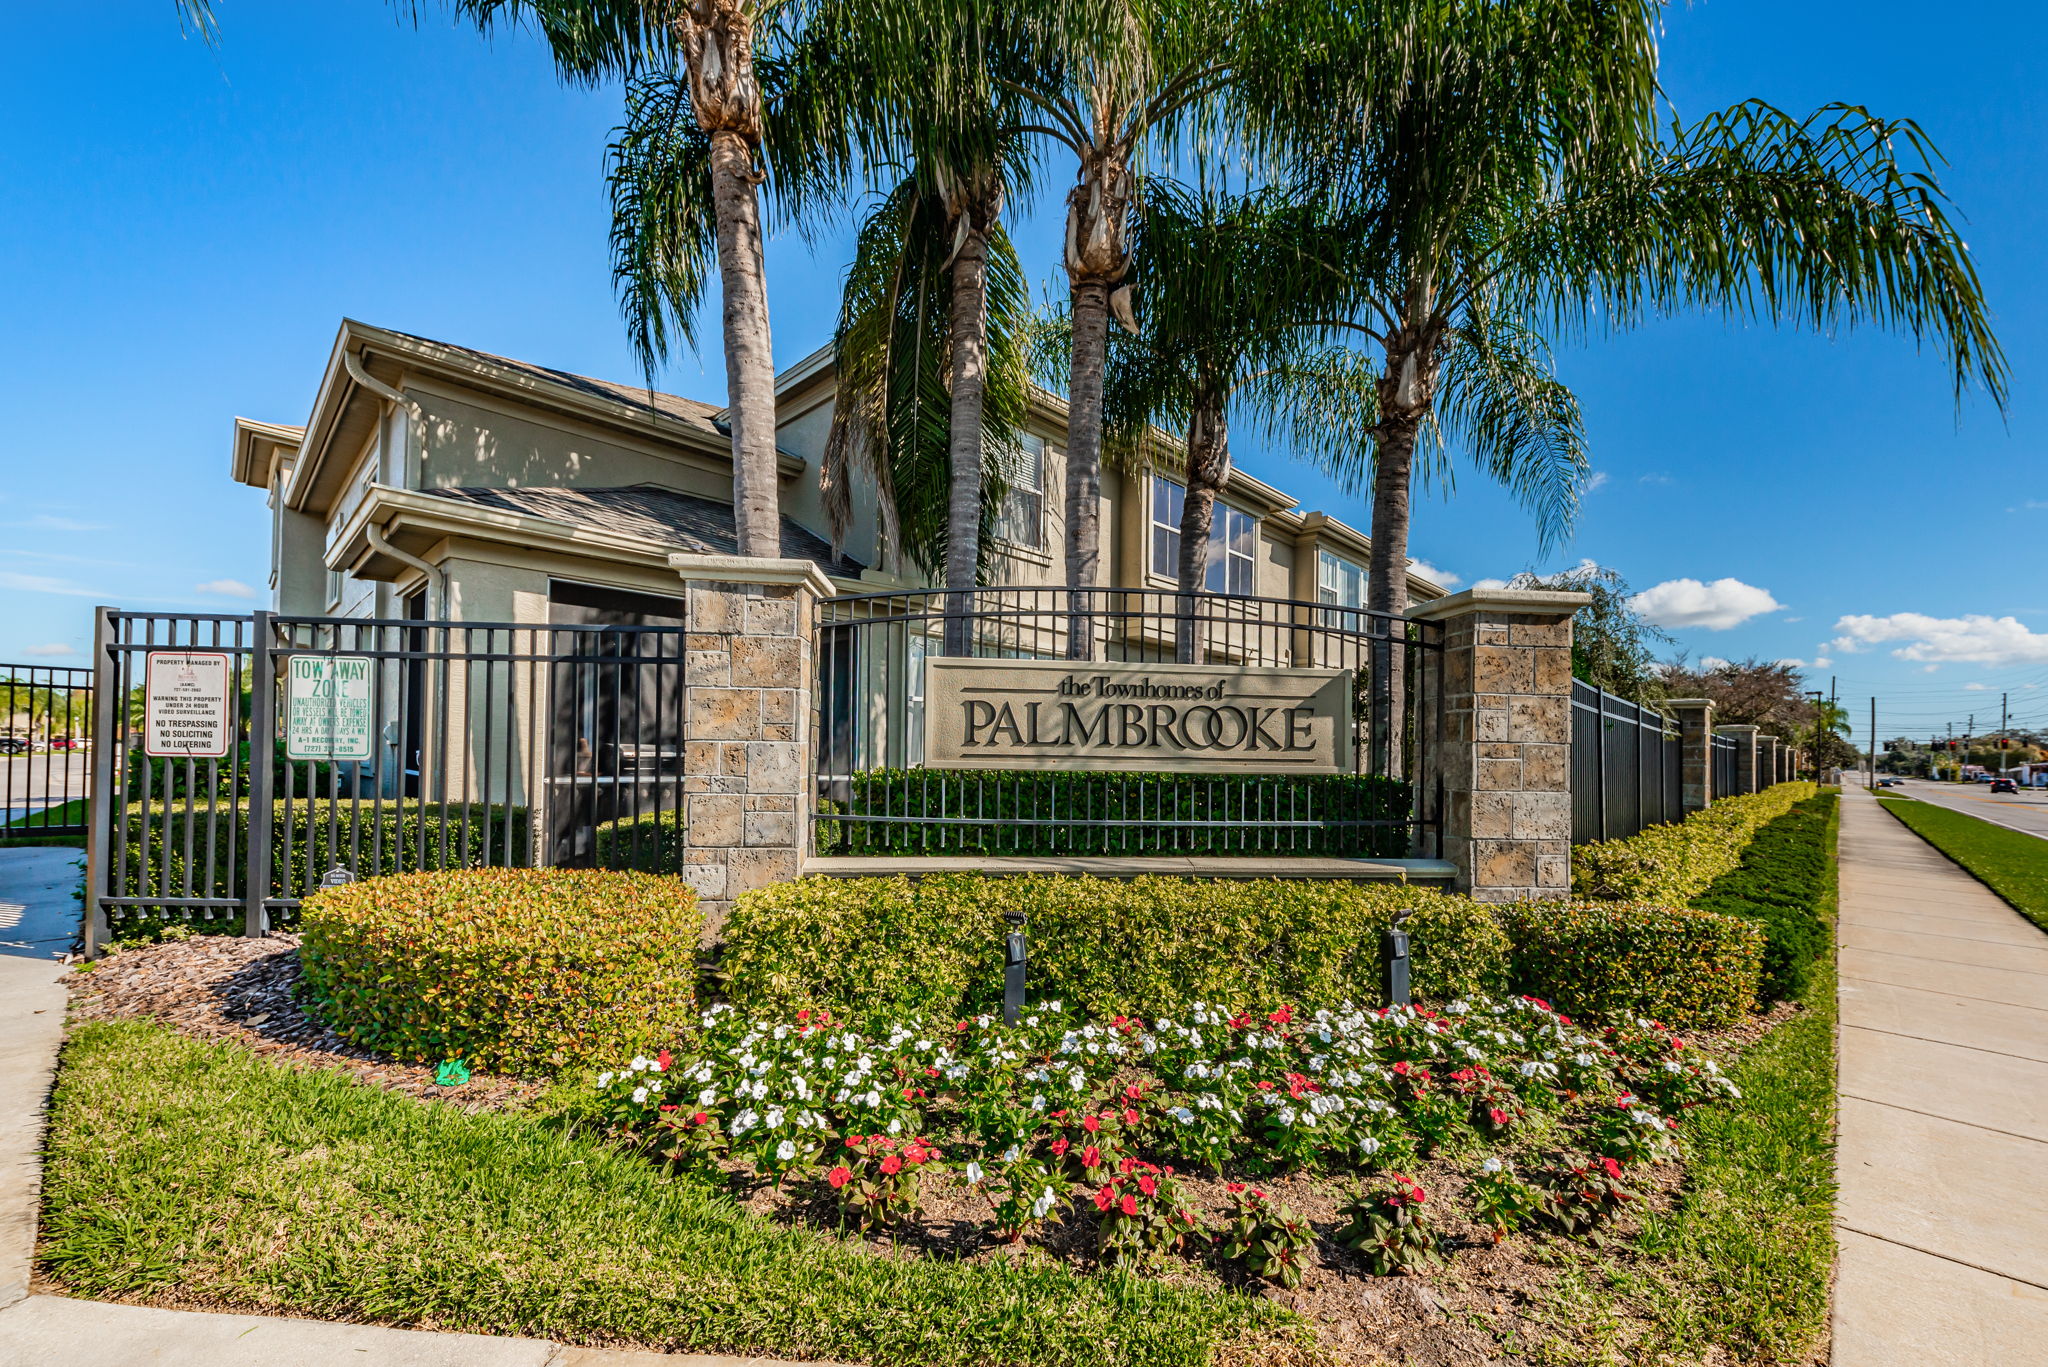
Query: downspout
column 437, row 583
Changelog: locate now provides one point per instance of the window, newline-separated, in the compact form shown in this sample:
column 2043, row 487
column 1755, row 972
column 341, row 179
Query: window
column 1339, row 581
column 1020, row 518
column 1233, row 540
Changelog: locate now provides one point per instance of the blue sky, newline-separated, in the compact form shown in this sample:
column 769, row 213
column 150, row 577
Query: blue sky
column 183, row 229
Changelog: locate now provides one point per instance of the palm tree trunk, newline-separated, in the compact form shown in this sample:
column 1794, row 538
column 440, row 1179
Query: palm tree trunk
column 1208, row 469
column 1090, row 358
column 1404, row 388
column 749, row 357
column 970, row 387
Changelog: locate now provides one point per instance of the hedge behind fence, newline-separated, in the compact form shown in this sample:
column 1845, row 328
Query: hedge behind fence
column 1116, row 813
column 474, row 837
column 1151, row 945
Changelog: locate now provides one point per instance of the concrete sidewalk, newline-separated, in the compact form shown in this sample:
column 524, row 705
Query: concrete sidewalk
column 1943, row 1157
column 38, row 918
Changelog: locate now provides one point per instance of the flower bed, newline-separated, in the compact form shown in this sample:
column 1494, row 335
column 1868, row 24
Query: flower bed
column 1056, row 1122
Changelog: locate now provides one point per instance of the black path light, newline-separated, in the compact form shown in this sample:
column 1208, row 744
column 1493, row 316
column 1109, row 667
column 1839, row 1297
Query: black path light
column 1394, row 960
column 1013, row 967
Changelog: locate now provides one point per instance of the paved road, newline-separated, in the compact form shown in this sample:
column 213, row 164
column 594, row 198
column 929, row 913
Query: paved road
column 2026, row 810
column 29, row 783
column 1942, row 1219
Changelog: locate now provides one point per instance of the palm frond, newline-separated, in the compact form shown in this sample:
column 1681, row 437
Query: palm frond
column 592, row 41
column 1502, row 402
column 664, row 233
column 196, row 17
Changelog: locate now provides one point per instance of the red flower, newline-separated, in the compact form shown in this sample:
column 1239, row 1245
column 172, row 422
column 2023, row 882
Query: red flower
column 853, row 1141
column 1091, row 1124
column 1129, row 1205
column 1417, row 1195
column 1265, row 1086
column 1119, row 1020
column 1104, row 1197
column 804, row 1014
column 839, row 1176
column 1130, row 1116
column 1059, row 1147
column 1613, row 1168
column 1401, row 1068
column 661, row 1060
column 1235, row 1187
column 891, row 1165
column 1091, row 1157
column 1282, row 1016
column 1134, row 1093
column 700, row 1119
column 668, row 1106
column 1147, row 1185
column 1497, row 1115
column 1128, row 1166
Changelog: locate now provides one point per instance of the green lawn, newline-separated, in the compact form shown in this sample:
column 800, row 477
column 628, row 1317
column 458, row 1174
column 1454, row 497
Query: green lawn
column 2011, row 863
column 200, row 1169
column 1739, row 1269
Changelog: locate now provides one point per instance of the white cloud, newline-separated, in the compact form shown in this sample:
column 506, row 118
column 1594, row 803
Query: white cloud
column 44, row 583
column 1488, row 585
column 1793, row 662
column 1975, row 688
column 1717, row 606
column 1822, row 662
column 1595, row 482
column 1655, row 477
column 53, row 648
column 1712, row 662
column 50, row 522
column 225, row 588
column 1433, row 574
column 1976, row 638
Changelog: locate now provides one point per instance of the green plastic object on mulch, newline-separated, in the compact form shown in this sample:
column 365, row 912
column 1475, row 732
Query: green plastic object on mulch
column 452, row 1072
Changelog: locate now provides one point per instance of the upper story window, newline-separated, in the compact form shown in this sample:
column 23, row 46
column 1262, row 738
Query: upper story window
column 1020, row 519
column 1339, row 581
column 1233, row 540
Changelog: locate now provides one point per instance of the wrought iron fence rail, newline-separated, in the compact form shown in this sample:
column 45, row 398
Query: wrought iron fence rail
column 1627, row 765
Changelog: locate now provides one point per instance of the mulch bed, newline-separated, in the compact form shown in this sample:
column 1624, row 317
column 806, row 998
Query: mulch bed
column 224, row 987
column 1462, row 1314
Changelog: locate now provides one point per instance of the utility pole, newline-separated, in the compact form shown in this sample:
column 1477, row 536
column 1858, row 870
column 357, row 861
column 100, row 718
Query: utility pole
column 1873, row 745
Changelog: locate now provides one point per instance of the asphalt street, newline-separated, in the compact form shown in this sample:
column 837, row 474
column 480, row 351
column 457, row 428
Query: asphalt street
column 2026, row 810
column 29, row 783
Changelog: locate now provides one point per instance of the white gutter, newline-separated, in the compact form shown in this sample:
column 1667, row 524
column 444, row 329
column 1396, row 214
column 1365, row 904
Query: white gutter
column 437, row 582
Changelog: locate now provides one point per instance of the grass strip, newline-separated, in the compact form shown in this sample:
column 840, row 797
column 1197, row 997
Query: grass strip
column 201, row 1173
column 1784, row 883
column 2011, row 863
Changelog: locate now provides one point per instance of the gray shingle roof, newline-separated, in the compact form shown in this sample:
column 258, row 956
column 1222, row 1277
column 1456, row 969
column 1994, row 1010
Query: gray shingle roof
column 694, row 412
column 652, row 513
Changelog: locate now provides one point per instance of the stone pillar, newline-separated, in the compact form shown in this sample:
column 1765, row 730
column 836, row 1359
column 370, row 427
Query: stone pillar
column 747, row 743
column 1767, row 759
column 1696, row 747
column 1504, row 755
column 1746, row 770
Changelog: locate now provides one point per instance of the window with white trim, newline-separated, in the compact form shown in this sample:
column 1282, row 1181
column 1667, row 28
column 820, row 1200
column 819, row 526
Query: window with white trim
column 1233, row 540
column 1020, row 517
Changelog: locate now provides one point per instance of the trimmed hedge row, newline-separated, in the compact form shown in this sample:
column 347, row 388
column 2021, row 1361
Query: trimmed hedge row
column 1611, row 960
column 1109, row 946
column 1675, row 863
column 1784, row 885
column 515, row 970
column 1118, row 813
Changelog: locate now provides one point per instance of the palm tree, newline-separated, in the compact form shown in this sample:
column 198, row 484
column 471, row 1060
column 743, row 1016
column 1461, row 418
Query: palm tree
column 1236, row 296
column 1106, row 79
column 699, row 140
column 893, row 415
column 1512, row 183
column 196, row 16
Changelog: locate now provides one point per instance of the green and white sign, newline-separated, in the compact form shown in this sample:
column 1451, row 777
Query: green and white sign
column 327, row 707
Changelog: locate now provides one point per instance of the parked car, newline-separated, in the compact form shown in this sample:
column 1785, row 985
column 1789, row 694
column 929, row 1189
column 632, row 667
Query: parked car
column 2004, row 785
column 1891, row 782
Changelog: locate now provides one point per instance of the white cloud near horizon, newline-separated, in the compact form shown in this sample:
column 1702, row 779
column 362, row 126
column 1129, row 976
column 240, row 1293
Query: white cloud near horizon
column 1717, row 606
column 45, row 651
column 1975, row 638
column 1596, row 481
column 1712, row 662
column 225, row 588
column 1435, row 575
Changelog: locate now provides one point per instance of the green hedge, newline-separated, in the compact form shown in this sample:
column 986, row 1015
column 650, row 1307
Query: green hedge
column 1609, row 960
column 1785, row 884
column 1077, row 805
column 515, row 970
column 934, row 945
column 476, row 836
column 1675, row 863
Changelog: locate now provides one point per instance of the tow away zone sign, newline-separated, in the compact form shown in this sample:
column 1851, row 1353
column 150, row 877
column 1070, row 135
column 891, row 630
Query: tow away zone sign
column 327, row 708
column 185, row 704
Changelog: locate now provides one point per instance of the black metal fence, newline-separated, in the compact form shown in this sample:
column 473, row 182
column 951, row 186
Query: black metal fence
column 45, row 740
column 374, row 746
column 1726, row 771
column 1627, row 766
column 876, row 796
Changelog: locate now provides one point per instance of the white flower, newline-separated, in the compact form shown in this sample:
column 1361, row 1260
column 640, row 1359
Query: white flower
column 895, row 1127
column 1368, row 1145
column 1010, row 1154
column 605, row 1079
column 1043, row 1204
column 639, row 1096
column 784, row 1151
column 774, row 1117
column 707, row 1097
column 974, row 1174
column 1490, row 1165
column 1183, row 1115
column 1077, row 1079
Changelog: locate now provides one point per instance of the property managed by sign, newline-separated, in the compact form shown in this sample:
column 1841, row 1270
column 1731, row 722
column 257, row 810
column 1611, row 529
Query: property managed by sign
column 185, row 704
column 327, row 707
column 1204, row 719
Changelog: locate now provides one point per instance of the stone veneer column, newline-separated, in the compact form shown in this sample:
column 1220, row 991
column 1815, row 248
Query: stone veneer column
column 1746, row 771
column 747, row 744
column 1696, row 750
column 1504, row 755
column 1768, row 764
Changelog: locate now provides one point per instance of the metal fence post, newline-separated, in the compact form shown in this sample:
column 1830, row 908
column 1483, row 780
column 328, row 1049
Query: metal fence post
column 107, row 707
column 262, row 744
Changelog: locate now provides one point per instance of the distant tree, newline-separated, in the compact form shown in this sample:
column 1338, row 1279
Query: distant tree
column 1610, row 640
column 1754, row 692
